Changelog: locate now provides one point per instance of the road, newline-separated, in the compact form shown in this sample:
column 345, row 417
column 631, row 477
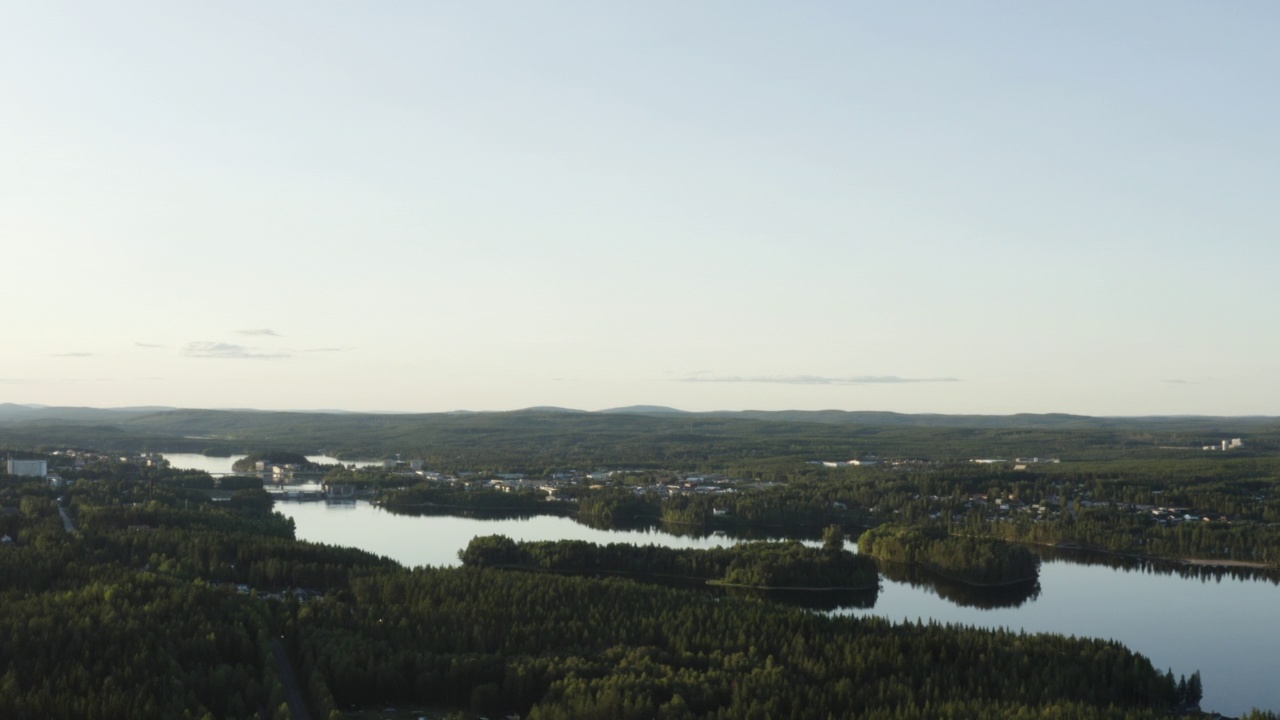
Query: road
column 291, row 692
column 66, row 519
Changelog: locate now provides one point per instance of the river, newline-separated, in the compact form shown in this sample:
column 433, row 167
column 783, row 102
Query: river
column 1222, row 624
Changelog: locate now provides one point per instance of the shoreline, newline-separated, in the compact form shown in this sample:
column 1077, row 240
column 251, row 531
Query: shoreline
column 1201, row 562
column 1191, row 562
column 692, row 578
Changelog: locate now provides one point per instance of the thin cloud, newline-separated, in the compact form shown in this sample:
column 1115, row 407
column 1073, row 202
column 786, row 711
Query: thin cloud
column 815, row 379
column 147, row 345
column 1176, row 381
column 74, row 354
column 325, row 349
column 226, row 351
column 260, row 332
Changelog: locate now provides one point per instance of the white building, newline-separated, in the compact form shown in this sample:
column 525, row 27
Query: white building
column 27, row 468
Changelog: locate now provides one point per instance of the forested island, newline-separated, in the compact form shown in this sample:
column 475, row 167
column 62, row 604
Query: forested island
column 436, row 498
column 970, row 560
column 759, row 565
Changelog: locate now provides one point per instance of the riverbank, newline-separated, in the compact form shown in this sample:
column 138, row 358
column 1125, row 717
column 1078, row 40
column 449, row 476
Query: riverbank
column 691, row 579
column 1191, row 562
column 1227, row 563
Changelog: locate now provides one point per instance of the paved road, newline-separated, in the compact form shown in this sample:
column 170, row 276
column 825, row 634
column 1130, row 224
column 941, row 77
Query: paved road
column 291, row 692
column 66, row 520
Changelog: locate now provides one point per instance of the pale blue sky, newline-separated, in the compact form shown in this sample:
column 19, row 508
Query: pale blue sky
column 922, row 207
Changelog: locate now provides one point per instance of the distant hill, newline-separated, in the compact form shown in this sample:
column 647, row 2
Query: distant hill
column 637, row 436
column 1021, row 420
column 13, row 412
column 643, row 410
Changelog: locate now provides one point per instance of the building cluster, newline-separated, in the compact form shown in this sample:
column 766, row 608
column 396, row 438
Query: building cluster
column 27, row 468
column 847, row 463
column 693, row 485
column 284, row 473
column 1231, row 444
column 873, row 461
column 870, row 461
column 1008, row 507
column 662, row 483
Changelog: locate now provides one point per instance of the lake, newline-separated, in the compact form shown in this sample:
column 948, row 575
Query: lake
column 222, row 465
column 1225, row 626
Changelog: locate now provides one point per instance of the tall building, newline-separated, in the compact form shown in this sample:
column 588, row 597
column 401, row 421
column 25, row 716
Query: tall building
column 28, row 468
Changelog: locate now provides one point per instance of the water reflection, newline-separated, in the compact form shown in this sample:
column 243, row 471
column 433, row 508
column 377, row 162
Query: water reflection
column 962, row 594
column 486, row 514
column 1127, row 563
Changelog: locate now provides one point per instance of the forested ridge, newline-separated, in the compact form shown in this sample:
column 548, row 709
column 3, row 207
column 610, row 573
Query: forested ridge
column 537, row 439
column 138, row 614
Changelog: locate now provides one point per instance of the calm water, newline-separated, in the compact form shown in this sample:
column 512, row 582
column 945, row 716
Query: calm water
column 196, row 461
column 414, row 540
column 1225, row 627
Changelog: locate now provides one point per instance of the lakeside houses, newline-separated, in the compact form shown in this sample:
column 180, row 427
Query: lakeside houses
column 870, row 461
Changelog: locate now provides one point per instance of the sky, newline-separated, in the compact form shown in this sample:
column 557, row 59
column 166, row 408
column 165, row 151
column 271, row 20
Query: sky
column 945, row 207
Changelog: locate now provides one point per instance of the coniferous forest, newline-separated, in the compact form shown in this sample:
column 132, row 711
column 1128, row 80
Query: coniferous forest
column 761, row 565
column 164, row 603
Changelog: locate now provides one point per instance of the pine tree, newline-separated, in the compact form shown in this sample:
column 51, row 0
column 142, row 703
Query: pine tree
column 1195, row 690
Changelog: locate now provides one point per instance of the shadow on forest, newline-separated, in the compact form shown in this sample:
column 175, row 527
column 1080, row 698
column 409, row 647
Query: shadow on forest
column 822, row 600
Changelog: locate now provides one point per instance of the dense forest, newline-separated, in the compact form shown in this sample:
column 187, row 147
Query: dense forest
column 762, row 565
column 972, row 560
column 427, row 498
column 166, row 602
